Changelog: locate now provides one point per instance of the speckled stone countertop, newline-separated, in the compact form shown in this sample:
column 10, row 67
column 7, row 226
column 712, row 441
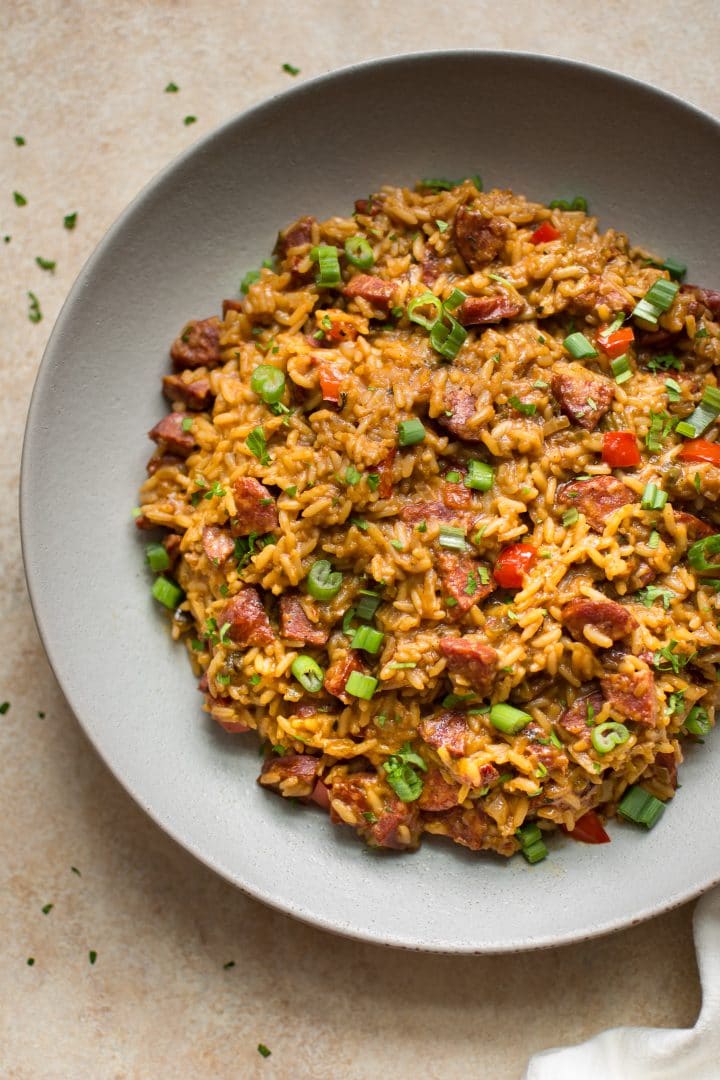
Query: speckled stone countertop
column 83, row 83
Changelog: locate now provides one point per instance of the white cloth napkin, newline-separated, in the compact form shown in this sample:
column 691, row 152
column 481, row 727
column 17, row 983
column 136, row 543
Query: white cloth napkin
column 653, row 1053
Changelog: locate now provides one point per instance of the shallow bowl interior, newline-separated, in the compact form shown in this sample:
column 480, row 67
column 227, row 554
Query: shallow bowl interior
column 544, row 127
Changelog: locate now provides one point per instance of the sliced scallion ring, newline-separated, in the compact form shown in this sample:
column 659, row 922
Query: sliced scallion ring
column 605, row 737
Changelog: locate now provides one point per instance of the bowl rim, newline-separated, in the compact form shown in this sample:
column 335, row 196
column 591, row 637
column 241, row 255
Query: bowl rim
column 41, row 387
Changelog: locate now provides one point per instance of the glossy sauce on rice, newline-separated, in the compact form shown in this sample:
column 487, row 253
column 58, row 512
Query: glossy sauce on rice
column 475, row 434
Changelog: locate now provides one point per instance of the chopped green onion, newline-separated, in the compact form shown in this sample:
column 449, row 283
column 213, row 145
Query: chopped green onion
column 359, row 253
column 453, row 477
column 508, row 719
column 532, row 844
column 308, row 673
column 704, row 415
column 454, row 300
column 620, row 368
column 687, row 430
column 249, row 278
column 447, row 340
column 348, row 621
column 452, row 537
column 605, row 737
column 698, row 555
column 361, row 686
column 570, row 516
column 268, row 383
column 653, row 539
column 641, row 807
column 411, row 432
column 675, row 269
column 698, row 722
column 442, row 226
column 366, row 606
column 408, row 665
column 367, row 639
column 660, row 427
column 579, row 346
column 291, row 491
column 526, row 408
column 656, row 300
column 187, row 423
column 262, row 1048
column 167, row 592
column 157, row 557
column 480, row 476
column 326, row 256
column 653, row 497
column 535, row 853
column 323, row 583
column 674, row 390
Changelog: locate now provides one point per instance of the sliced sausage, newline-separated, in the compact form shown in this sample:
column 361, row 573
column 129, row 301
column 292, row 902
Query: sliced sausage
column 696, row 528
column 599, row 290
column 479, row 238
column 396, row 825
column 217, row 544
column 255, row 509
column 194, row 393
column 415, row 512
column 482, row 310
column 169, row 431
column 292, row 775
column 596, row 498
column 295, row 625
column 448, row 730
column 339, row 672
column 471, row 657
column 575, row 718
column 437, row 793
column 460, row 408
column 463, row 579
column 373, row 289
column 583, row 396
column 709, row 297
column 198, row 345
column 162, row 461
column 610, row 618
column 249, row 624
column 466, row 827
column 632, row 697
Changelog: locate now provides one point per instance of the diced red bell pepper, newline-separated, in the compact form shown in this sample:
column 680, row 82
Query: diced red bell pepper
column 700, row 450
column 616, row 343
column 620, row 449
column 330, row 382
column 544, row 233
column 513, row 564
column 589, row 830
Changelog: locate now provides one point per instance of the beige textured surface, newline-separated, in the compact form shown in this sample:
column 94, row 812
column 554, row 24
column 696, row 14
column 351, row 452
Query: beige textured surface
column 83, row 82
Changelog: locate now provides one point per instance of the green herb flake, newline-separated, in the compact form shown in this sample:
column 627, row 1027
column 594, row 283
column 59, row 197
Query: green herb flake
column 4, row 707
column 290, row 69
column 19, row 140
column 352, row 476
column 20, row 199
column 7, row 239
column 651, row 593
column 228, row 965
column 92, row 956
column 47, row 908
column 701, row 333
column 666, row 659
column 254, row 679
column 187, row 423
column 45, row 264
column 41, row 715
column 442, row 226
column 70, row 220
column 676, row 702
column 34, row 312
column 172, row 88
column 257, row 445
column 76, row 871
column 263, row 1050
column 189, row 120
column 30, row 961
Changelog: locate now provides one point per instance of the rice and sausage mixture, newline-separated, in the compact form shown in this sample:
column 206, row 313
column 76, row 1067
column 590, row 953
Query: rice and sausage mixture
column 440, row 501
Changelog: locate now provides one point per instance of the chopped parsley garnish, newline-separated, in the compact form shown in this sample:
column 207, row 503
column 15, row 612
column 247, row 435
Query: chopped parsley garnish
column 34, row 312
column 701, row 333
column 228, row 965
column 41, row 715
column 676, row 701
column 401, row 774
column 20, row 199
column 442, row 226
column 30, row 961
column 290, row 69
column 262, row 1049
column 666, row 659
column 92, row 956
column 4, row 707
column 45, row 264
column 189, row 120
column 257, row 445
column 674, row 391
column 215, row 492
column 291, row 491
column 472, row 584
column 373, row 481
column 76, row 871
column 254, row 679
column 526, row 408
column 352, row 476
column 651, row 593
column 70, row 220
column 19, row 140
column 172, row 88
column 47, row 908
column 665, row 363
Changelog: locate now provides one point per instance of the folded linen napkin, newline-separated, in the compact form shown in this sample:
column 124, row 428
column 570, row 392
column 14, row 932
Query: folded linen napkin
column 653, row 1053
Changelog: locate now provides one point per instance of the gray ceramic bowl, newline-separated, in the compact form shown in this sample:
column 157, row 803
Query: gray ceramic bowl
column 647, row 164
